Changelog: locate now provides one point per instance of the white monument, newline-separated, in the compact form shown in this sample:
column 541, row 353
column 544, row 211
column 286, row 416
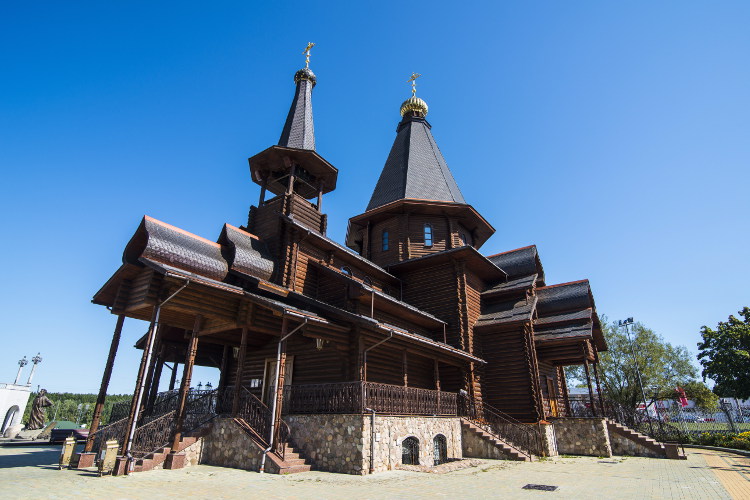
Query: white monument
column 13, row 399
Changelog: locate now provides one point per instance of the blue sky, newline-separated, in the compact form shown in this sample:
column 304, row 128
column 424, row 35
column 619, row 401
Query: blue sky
column 612, row 136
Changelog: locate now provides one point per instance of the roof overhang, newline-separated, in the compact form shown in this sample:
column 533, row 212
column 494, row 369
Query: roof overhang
column 279, row 159
column 475, row 261
column 470, row 218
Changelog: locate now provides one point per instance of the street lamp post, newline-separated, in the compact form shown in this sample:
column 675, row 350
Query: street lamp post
column 36, row 360
column 21, row 363
column 626, row 323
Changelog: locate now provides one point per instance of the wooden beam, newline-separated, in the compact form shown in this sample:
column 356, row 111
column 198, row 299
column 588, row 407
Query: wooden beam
column 102, row 397
column 240, row 370
column 185, row 385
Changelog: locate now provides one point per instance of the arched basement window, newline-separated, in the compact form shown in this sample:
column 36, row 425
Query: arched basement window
column 427, row 235
column 385, row 240
column 410, row 451
column 440, row 449
column 346, row 271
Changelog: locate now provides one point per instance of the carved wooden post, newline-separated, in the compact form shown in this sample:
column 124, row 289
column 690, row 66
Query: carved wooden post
column 147, row 387
column 173, row 378
column 588, row 381
column 598, row 387
column 436, row 375
column 105, row 383
column 155, row 381
column 185, row 385
column 238, row 374
column 281, row 367
column 223, row 368
column 405, row 368
column 134, row 410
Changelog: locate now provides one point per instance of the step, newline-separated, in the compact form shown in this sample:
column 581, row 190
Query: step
column 294, row 469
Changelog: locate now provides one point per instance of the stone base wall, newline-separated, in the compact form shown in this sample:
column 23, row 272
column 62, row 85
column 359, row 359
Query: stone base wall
column 390, row 432
column 473, row 446
column 193, row 455
column 549, row 440
column 341, row 443
column 624, row 446
column 582, row 436
column 333, row 443
column 227, row 446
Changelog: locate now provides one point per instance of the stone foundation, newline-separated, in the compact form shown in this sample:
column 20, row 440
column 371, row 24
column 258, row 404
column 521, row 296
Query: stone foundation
column 227, row 446
column 341, row 443
column 549, row 439
column 621, row 445
column 582, row 436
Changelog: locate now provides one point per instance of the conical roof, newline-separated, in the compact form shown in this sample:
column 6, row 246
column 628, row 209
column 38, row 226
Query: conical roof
column 415, row 168
column 299, row 130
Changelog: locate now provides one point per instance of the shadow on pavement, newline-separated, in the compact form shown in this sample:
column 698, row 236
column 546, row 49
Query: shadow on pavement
column 25, row 457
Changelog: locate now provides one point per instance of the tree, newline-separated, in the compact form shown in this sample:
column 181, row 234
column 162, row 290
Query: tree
column 662, row 365
column 725, row 355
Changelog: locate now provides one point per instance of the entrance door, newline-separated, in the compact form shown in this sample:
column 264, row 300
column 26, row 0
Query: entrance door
column 410, row 451
column 269, row 378
column 552, row 394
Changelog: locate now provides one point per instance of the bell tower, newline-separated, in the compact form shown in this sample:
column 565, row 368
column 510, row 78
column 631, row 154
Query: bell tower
column 292, row 170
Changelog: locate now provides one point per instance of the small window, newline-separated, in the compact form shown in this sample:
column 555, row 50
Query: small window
column 440, row 449
column 427, row 235
column 255, row 383
column 410, row 451
column 463, row 239
column 346, row 271
column 385, row 240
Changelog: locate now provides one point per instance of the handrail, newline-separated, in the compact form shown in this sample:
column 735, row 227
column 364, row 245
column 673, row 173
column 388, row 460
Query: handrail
column 154, row 435
column 523, row 437
column 114, row 430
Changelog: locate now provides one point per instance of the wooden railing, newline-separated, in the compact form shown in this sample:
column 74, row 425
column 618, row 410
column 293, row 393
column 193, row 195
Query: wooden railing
column 361, row 397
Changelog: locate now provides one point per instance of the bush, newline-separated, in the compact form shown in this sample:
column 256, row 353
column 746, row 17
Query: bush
column 739, row 441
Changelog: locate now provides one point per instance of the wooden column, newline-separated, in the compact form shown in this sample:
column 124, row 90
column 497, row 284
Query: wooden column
column 152, row 367
column 224, row 366
column 405, row 368
column 134, row 410
column 281, row 367
column 598, row 388
column 263, row 191
column 185, row 385
column 561, row 374
column 320, row 197
column 238, row 373
column 105, row 383
column 173, row 378
column 155, row 382
column 588, row 382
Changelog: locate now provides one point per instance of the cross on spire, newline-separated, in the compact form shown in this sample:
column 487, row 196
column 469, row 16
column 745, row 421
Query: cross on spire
column 413, row 81
column 306, row 52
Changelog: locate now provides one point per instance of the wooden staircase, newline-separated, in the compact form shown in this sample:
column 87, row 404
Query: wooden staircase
column 292, row 462
column 505, row 448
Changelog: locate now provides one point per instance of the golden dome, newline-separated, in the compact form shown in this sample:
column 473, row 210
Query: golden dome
column 414, row 104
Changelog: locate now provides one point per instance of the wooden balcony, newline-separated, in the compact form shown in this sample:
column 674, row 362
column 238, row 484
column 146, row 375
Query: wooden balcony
column 363, row 397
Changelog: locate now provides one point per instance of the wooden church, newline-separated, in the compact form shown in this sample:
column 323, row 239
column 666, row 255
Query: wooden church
column 406, row 345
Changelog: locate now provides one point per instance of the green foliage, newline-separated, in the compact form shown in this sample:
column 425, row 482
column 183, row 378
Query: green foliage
column 661, row 365
column 703, row 397
column 739, row 441
column 724, row 354
column 66, row 406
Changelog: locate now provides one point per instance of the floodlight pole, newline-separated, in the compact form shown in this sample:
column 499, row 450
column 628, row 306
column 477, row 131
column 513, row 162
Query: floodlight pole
column 626, row 323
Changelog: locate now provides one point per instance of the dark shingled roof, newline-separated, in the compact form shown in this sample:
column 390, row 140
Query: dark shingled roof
column 564, row 297
column 510, row 311
column 166, row 244
column 245, row 253
column 563, row 332
column 511, row 287
column 299, row 131
column 520, row 262
column 415, row 168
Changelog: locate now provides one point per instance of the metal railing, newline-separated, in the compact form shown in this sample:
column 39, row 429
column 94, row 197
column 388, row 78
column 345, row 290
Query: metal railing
column 526, row 438
column 152, row 436
column 358, row 397
column 115, row 430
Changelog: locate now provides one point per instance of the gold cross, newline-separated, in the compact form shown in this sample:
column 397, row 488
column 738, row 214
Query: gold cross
column 413, row 81
column 307, row 53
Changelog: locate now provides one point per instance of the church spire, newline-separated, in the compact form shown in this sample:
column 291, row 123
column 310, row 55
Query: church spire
column 299, row 130
column 415, row 168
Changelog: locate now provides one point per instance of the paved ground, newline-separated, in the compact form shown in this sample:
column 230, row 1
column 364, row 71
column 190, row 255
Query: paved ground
column 29, row 472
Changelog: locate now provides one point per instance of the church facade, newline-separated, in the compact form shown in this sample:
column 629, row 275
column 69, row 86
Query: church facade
column 405, row 345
